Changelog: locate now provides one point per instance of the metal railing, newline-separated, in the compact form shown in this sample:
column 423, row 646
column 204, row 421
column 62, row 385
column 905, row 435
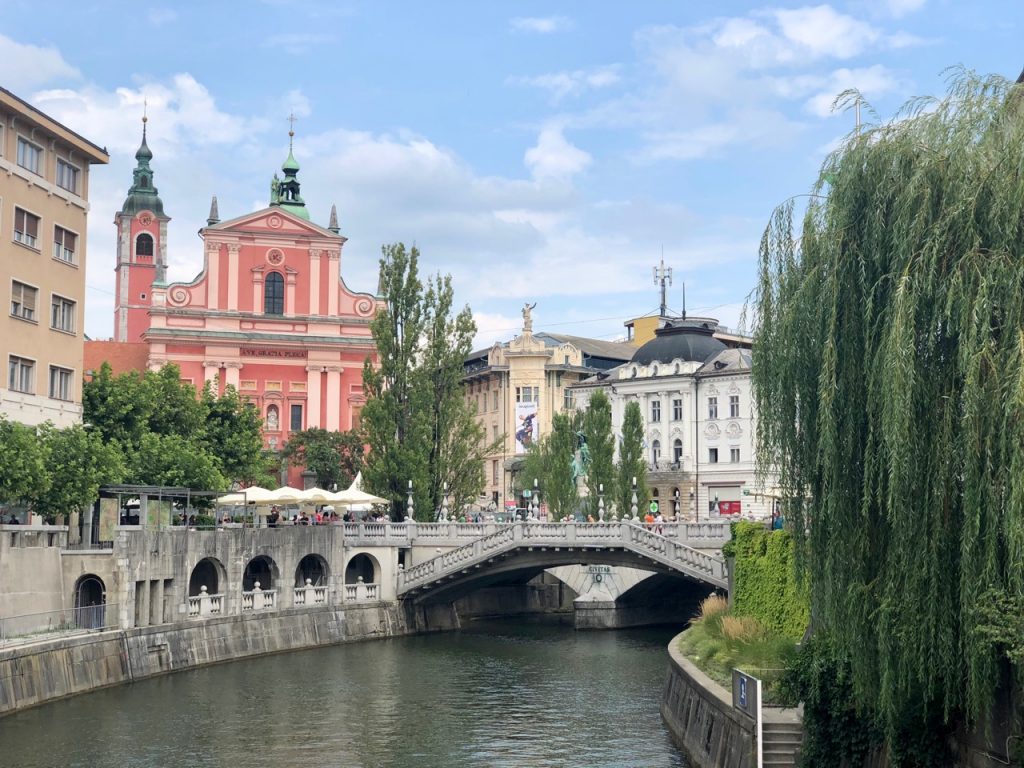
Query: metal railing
column 33, row 626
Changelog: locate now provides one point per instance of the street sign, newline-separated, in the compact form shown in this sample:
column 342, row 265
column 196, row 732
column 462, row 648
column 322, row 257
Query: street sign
column 746, row 697
column 605, row 569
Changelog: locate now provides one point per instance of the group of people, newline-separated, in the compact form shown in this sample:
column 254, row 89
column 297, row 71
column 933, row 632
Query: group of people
column 320, row 516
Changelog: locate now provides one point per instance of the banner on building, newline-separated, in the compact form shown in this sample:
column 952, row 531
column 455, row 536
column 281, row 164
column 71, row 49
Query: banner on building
column 110, row 516
column 526, row 426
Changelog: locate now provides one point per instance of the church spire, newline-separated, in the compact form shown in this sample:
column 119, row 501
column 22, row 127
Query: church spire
column 333, row 224
column 142, row 195
column 214, row 216
column 284, row 193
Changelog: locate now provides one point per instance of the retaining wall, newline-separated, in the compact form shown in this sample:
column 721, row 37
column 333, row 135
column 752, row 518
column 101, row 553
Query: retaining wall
column 46, row 671
column 701, row 718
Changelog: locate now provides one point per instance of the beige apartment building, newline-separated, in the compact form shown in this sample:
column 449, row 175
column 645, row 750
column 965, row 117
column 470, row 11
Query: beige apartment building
column 44, row 205
column 516, row 386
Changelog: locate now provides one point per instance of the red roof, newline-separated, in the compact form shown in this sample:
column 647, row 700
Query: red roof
column 123, row 356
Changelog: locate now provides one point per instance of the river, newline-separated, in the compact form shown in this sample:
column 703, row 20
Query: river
column 497, row 694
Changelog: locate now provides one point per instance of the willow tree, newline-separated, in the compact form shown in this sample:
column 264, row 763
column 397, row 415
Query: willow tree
column 889, row 377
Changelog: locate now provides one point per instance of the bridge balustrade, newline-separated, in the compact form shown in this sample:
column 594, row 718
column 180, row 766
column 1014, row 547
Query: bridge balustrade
column 359, row 592
column 309, row 595
column 203, row 605
column 259, row 599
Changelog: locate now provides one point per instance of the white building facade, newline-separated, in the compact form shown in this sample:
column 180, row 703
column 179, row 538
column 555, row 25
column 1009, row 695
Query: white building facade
column 695, row 397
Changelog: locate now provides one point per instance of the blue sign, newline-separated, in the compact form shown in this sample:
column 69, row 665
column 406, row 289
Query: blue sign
column 743, row 692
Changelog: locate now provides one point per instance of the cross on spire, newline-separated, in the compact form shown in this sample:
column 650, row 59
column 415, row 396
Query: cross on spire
column 291, row 129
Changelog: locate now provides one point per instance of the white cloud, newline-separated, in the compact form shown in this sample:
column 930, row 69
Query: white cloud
column 870, row 81
column 24, row 67
column 555, row 158
column 562, row 84
column 540, row 25
column 821, row 31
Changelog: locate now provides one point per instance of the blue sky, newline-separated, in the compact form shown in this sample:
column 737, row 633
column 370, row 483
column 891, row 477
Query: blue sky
column 542, row 152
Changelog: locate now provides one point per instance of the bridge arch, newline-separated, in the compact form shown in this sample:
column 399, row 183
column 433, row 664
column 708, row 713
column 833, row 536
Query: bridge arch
column 262, row 570
column 315, row 569
column 362, row 566
column 210, row 573
column 90, row 601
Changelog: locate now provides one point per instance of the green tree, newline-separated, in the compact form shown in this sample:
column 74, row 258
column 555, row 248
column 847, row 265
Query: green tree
column 416, row 422
column 23, row 471
column 888, row 373
column 334, row 457
column 631, row 461
column 597, row 429
column 232, row 432
column 78, row 462
column 175, row 461
column 117, row 406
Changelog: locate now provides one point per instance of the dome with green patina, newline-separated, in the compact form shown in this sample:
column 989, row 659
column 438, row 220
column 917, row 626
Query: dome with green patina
column 142, row 195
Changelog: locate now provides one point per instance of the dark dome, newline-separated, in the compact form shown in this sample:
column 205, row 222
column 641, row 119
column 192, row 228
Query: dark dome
column 690, row 340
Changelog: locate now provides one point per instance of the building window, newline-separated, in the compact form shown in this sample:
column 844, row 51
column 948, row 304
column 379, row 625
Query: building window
column 494, row 472
column 567, row 403
column 296, row 420
column 26, row 227
column 712, row 408
column 494, row 400
column 67, row 176
column 62, row 314
column 30, row 156
column 60, row 383
column 23, row 301
column 734, row 455
column 677, row 451
column 21, row 374
column 64, row 243
column 656, row 452
column 712, row 455
column 677, row 410
column 656, row 410
column 494, row 433
column 734, row 406
column 527, row 394
column 273, row 294
column 144, row 245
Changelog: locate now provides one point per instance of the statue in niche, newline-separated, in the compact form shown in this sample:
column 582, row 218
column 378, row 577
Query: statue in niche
column 528, row 317
column 272, row 422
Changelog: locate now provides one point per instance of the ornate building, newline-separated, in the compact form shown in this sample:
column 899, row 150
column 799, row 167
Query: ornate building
column 269, row 314
column 694, row 394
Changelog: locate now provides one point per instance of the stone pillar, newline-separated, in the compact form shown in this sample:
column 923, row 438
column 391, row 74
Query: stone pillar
column 313, row 373
column 233, row 249
column 333, row 267
column 232, row 373
column 257, row 291
column 210, row 370
column 314, row 281
column 213, row 275
column 289, row 292
column 333, row 416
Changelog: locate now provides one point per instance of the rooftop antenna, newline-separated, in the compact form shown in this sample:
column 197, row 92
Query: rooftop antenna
column 663, row 277
column 684, row 300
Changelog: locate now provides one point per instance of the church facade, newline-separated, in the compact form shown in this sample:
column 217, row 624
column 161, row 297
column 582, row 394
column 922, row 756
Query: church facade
column 269, row 314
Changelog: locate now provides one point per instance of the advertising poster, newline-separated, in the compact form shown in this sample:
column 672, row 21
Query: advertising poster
column 110, row 515
column 526, row 426
column 158, row 513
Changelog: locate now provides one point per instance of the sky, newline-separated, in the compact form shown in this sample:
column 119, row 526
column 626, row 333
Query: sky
column 537, row 151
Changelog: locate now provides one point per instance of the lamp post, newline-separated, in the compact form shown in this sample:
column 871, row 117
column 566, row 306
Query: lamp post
column 693, row 506
column 410, row 508
column 677, row 504
column 444, row 504
column 600, row 502
column 632, row 504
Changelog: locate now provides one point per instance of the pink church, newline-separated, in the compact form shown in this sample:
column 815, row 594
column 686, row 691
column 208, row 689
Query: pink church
column 270, row 313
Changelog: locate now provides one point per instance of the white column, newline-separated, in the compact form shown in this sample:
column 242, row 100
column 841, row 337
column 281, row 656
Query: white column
column 314, row 281
column 333, row 265
column 213, row 276
column 233, row 249
column 333, row 415
column 313, row 373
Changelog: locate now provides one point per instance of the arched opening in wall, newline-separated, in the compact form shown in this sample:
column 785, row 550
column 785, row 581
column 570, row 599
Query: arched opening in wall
column 208, row 573
column 260, row 569
column 314, row 569
column 362, row 566
column 656, row 452
column 677, row 451
column 144, row 245
column 273, row 420
column 273, row 294
column 90, row 601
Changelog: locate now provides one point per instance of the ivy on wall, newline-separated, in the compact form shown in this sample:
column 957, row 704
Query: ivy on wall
column 764, row 579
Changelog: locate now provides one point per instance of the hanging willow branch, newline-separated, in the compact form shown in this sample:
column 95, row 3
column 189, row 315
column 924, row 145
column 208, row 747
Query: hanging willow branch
column 889, row 376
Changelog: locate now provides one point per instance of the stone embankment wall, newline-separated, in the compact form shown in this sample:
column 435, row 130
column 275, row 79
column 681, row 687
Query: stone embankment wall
column 701, row 718
column 46, row 671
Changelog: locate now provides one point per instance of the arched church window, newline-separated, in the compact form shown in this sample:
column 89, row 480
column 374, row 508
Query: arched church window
column 656, row 452
column 273, row 294
column 677, row 451
column 144, row 245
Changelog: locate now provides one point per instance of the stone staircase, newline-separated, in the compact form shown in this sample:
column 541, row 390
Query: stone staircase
column 782, row 739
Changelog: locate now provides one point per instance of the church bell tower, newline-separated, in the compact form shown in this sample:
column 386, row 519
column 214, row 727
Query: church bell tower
column 141, row 249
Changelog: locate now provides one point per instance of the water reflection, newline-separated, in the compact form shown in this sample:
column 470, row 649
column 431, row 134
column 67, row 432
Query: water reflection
column 511, row 693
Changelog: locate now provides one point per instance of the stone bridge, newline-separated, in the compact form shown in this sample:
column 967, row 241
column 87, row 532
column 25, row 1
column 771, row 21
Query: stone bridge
column 526, row 547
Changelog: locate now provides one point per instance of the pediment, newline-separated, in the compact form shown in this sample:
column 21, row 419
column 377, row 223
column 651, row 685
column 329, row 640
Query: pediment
column 274, row 220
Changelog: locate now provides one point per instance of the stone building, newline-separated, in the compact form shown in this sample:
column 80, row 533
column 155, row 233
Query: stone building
column 44, row 206
column 269, row 314
column 694, row 394
column 516, row 386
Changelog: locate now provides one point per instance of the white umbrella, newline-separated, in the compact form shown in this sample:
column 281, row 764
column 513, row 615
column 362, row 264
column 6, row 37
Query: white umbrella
column 286, row 495
column 317, row 495
column 351, row 496
column 254, row 495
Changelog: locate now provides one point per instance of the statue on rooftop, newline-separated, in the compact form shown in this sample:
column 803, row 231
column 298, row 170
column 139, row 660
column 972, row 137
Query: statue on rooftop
column 527, row 317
